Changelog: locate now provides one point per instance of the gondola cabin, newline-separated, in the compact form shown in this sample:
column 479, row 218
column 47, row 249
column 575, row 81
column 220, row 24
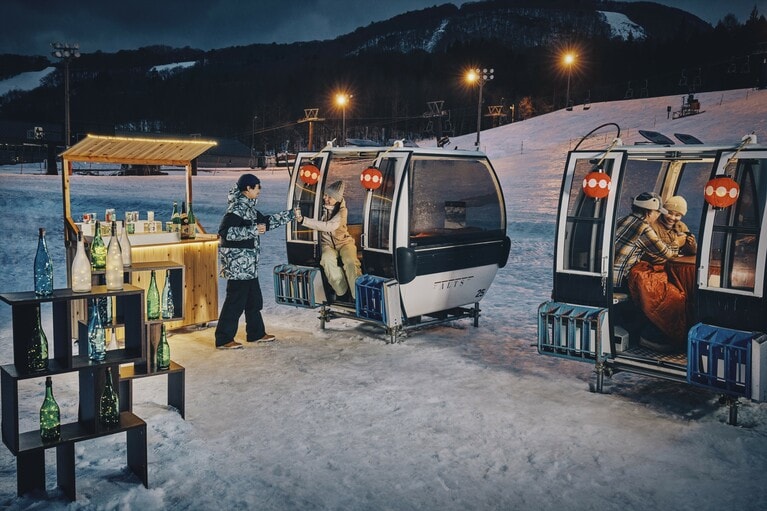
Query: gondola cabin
column 714, row 298
column 429, row 226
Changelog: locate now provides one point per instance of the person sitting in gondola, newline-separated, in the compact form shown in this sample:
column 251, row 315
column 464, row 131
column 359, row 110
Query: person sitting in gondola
column 669, row 227
column 663, row 303
column 336, row 242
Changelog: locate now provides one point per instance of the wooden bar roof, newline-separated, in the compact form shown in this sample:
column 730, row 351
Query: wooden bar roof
column 137, row 151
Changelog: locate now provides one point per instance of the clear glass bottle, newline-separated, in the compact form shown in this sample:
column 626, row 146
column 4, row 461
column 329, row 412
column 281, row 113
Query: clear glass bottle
column 192, row 229
column 50, row 415
column 163, row 351
column 109, row 404
column 167, row 307
column 114, row 271
column 37, row 348
column 153, row 299
column 113, row 340
column 98, row 249
column 125, row 245
column 43, row 267
column 105, row 309
column 96, row 334
column 81, row 268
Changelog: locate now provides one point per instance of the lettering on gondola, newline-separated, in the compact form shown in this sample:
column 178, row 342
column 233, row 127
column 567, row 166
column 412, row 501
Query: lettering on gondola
column 452, row 283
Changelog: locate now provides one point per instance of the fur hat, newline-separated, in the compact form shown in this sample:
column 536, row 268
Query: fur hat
column 650, row 201
column 247, row 180
column 335, row 190
column 676, row 203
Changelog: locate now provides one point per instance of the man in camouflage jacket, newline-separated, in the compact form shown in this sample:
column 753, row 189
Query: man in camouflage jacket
column 238, row 253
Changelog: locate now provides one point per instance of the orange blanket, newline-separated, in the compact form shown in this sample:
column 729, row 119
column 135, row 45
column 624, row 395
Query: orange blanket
column 661, row 301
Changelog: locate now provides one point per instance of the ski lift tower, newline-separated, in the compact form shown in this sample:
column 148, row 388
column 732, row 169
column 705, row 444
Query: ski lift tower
column 310, row 116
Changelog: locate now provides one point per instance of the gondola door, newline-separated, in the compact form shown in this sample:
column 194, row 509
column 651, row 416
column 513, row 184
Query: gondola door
column 305, row 180
column 733, row 248
column 583, row 251
column 380, row 215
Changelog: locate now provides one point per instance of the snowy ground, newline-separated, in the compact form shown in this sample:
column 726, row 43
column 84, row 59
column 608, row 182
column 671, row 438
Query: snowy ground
column 454, row 418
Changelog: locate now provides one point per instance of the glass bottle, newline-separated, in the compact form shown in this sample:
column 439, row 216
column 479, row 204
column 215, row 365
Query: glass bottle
column 125, row 245
column 37, row 349
column 163, row 351
column 105, row 309
column 153, row 299
column 43, row 267
column 96, row 334
column 167, row 307
column 175, row 218
column 81, row 268
column 114, row 271
column 184, row 222
column 109, row 404
column 113, row 340
column 192, row 223
column 50, row 415
column 98, row 249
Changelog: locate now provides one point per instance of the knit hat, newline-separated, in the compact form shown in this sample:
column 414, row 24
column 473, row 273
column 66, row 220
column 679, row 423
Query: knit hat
column 676, row 203
column 335, row 190
column 650, row 201
column 247, row 180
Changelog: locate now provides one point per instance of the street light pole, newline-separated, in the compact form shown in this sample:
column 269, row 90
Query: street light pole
column 481, row 76
column 569, row 60
column 66, row 52
column 342, row 99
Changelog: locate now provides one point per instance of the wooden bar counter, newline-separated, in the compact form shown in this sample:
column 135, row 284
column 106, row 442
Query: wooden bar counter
column 199, row 257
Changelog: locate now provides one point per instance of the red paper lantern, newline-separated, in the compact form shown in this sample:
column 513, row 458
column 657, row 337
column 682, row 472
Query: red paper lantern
column 596, row 185
column 721, row 192
column 371, row 178
column 309, row 173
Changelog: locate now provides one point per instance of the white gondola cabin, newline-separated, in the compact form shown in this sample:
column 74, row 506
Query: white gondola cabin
column 430, row 230
column 725, row 310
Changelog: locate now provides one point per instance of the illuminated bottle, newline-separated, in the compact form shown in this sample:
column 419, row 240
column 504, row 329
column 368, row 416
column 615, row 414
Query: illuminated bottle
column 163, row 351
column 98, row 250
column 81, row 268
column 37, row 348
column 153, row 299
column 114, row 271
column 112, row 340
column 167, row 307
column 43, row 267
column 109, row 404
column 125, row 245
column 50, row 415
column 96, row 334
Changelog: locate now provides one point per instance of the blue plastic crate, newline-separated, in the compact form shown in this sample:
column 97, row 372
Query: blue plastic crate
column 370, row 300
column 720, row 359
column 298, row 285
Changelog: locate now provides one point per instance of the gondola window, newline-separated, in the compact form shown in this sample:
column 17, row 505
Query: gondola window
column 453, row 200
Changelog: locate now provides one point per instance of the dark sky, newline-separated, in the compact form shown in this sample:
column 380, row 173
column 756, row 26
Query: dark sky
column 29, row 26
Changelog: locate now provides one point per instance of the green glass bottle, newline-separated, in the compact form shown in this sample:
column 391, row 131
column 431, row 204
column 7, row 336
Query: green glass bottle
column 98, row 249
column 163, row 351
column 50, row 416
column 184, row 222
column 109, row 405
column 153, row 299
column 37, row 348
column 175, row 218
column 192, row 232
